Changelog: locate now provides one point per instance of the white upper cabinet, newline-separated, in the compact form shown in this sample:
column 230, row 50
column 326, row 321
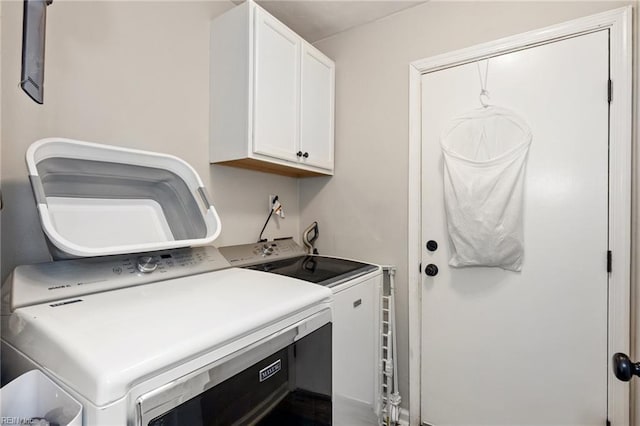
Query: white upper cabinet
column 276, row 88
column 316, row 108
column 272, row 96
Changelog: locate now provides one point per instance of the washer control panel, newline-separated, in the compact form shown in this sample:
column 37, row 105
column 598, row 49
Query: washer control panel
column 53, row 281
column 251, row 254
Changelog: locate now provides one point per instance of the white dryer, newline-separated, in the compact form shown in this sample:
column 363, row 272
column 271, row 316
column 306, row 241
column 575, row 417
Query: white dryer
column 357, row 292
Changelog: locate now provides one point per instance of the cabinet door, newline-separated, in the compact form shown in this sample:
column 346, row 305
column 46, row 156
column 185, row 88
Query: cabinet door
column 316, row 108
column 354, row 345
column 276, row 88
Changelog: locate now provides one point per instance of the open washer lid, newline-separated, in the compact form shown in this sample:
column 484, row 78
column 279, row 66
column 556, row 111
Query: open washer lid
column 285, row 257
column 323, row 270
column 102, row 344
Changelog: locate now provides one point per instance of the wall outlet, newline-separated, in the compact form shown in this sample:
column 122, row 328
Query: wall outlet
column 271, row 201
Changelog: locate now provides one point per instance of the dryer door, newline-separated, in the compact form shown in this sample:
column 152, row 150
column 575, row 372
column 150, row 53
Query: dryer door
column 284, row 379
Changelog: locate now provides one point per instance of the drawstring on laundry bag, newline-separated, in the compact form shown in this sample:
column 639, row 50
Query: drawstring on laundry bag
column 484, row 93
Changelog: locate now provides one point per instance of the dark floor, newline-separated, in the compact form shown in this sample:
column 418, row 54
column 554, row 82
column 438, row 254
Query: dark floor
column 300, row 408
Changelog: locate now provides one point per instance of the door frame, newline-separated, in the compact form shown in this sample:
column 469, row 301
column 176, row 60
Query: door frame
column 618, row 21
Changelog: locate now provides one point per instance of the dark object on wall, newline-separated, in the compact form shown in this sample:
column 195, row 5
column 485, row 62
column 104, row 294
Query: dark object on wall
column 309, row 237
column 33, row 40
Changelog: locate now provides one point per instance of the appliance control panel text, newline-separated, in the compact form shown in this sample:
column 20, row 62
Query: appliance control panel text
column 55, row 281
column 251, row 254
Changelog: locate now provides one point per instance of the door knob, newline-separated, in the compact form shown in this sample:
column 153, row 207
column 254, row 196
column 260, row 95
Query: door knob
column 624, row 368
column 432, row 245
column 431, row 270
column 305, row 155
column 299, row 153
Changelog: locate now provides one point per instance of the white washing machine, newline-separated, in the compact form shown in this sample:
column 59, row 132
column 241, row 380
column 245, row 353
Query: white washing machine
column 357, row 290
column 172, row 338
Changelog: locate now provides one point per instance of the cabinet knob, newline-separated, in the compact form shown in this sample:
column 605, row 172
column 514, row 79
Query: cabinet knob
column 305, row 155
column 299, row 153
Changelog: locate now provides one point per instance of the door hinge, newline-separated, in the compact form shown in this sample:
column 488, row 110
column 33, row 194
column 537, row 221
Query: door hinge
column 608, row 422
column 609, row 91
column 609, row 261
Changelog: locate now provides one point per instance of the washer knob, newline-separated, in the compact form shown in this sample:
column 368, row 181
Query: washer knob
column 147, row 264
column 267, row 250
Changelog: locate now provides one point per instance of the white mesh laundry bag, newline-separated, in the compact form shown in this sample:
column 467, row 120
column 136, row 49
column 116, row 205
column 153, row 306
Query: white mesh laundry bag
column 485, row 154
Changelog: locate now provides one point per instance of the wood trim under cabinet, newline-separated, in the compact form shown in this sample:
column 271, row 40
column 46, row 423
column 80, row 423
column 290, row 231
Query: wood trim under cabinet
column 261, row 166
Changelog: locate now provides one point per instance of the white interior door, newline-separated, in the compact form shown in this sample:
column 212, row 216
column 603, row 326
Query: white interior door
column 527, row 348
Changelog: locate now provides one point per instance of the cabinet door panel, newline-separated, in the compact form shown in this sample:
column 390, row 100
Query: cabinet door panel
column 354, row 343
column 276, row 86
column 317, row 108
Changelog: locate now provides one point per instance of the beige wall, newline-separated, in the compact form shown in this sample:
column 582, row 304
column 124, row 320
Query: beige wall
column 362, row 210
column 125, row 73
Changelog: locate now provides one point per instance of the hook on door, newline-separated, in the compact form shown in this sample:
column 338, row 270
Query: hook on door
column 484, row 98
column 484, row 93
